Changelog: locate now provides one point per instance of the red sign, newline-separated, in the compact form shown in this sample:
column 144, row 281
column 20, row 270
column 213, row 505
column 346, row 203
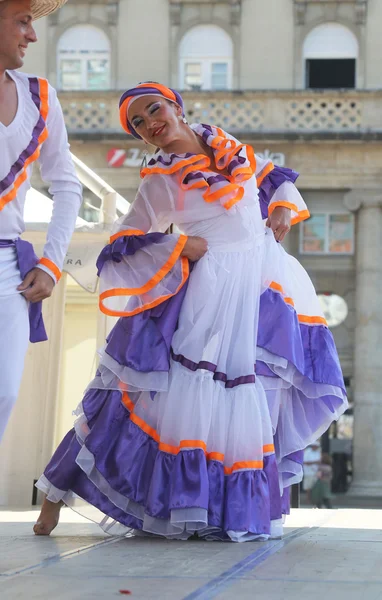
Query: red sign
column 116, row 158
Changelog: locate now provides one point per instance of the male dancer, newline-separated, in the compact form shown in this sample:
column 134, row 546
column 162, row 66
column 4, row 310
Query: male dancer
column 31, row 128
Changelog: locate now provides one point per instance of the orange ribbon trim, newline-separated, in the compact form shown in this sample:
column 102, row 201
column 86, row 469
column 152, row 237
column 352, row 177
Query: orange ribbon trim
column 191, row 444
column 153, row 304
column 261, row 176
column 22, row 176
column 52, row 267
column 276, row 287
column 225, row 152
column 116, row 236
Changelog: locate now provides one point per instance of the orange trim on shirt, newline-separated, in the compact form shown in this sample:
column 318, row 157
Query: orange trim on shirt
column 283, row 204
column 22, row 176
column 44, row 97
column 312, row 320
column 235, row 199
column 124, row 233
column 302, row 216
column 223, row 191
column 159, row 275
column 191, row 444
column 51, row 266
column 247, row 171
column 226, row 150
column 262, row 175
column 198, row 158
column 153, row 304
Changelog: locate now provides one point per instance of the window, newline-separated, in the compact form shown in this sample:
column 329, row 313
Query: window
column 335, row 73
column 83, row 59
column 219, row 76
column 330, row 57
column 205, row 59
column 193, row 76
column 327, row 234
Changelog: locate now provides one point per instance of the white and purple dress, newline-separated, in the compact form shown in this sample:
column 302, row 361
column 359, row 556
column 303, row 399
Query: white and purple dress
column 217, row 375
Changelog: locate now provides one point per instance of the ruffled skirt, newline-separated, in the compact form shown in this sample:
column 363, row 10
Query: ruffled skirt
column 210, row 437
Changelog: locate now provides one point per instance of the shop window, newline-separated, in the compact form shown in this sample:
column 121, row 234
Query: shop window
column 327, row 234
column 330, row 56
column 83, row 59
column 205, row 59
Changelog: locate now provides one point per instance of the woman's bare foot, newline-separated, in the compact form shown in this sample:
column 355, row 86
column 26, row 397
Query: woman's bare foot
column 49, row 517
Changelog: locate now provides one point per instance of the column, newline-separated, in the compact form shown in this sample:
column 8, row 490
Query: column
column 367, row 447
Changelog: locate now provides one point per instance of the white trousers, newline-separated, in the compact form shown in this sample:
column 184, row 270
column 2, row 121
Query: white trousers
column 14, row 334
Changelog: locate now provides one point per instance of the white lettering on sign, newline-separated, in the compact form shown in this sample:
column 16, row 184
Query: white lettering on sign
column 276, row 157
column 133, row 158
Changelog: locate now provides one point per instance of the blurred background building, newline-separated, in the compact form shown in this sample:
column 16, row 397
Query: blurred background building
column 301, row 81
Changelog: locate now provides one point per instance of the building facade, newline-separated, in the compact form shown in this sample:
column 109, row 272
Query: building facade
column 300, row 80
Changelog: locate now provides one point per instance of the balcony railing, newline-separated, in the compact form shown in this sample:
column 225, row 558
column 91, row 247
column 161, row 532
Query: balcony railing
column 269, row 111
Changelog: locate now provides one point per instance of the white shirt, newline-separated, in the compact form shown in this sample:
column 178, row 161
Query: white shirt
column 311, row 454
column 20, row 143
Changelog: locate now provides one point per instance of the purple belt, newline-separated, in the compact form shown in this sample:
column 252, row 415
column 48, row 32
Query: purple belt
column 27, row 260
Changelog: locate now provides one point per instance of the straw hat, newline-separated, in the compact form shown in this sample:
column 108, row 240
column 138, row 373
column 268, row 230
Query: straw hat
column 41, row 8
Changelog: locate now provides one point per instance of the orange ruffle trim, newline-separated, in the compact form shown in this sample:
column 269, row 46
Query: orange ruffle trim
column 191, row 444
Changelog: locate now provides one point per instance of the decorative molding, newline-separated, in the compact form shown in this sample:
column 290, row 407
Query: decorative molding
column 176, row 9
column 175, row 13
column 360, row 12
column 112, row 12
column 330, row 9
column 235, row 12
column 300, row 8
column 356, row 199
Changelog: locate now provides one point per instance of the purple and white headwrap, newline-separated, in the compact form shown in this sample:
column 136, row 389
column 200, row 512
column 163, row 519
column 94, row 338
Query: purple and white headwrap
column 148, row 88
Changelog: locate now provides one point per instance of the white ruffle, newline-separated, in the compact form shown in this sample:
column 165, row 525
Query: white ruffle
column 234, row 422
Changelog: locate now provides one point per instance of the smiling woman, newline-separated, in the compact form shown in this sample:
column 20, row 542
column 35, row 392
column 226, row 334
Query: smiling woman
column 221, row 368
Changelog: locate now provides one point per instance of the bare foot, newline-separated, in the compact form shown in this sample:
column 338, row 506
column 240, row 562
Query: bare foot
column 49, row 517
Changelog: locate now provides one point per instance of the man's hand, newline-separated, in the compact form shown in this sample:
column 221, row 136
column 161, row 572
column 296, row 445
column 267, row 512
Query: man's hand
column 280, row 222
column 195, row 248
column 37, row 285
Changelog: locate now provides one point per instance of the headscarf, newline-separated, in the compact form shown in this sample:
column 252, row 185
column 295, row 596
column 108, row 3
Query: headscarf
column 149, row 88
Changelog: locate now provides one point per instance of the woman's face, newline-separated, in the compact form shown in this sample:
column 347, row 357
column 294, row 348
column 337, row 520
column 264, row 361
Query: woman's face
column 156, row 120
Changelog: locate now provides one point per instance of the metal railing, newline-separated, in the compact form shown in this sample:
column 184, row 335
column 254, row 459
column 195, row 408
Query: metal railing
column 112, row 203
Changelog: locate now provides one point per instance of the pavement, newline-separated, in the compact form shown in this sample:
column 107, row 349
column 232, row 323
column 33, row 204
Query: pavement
column 324, row 555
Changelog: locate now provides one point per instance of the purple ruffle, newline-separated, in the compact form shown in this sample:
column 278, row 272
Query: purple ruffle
column 270, row 183
column 133, row 466
column 143, row 342
column 126, row 245
column 311, row 349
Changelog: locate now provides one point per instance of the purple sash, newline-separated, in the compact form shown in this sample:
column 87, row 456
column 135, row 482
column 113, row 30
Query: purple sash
column 27, row 260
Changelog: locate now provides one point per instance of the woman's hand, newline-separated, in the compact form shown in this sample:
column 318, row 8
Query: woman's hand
column 280, row 222
column 195, row 248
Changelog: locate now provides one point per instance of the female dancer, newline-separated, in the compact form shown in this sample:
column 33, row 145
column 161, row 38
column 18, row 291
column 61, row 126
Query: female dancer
column 221, row 368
